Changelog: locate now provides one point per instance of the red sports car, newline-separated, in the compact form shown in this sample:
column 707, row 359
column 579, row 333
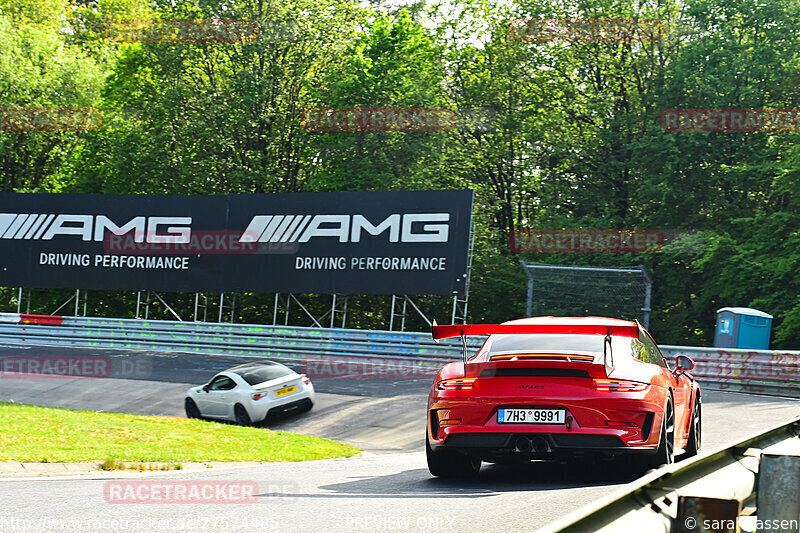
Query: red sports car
column 549, row 387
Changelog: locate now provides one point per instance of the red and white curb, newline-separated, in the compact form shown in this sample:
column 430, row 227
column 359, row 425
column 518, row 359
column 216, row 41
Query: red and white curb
column 22, row 318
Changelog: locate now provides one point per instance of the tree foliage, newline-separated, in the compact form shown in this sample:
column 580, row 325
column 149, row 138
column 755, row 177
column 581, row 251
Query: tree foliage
column 574, row 139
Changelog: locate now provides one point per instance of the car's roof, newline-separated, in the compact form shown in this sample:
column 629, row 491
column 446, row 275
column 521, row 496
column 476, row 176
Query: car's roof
column 572, row 320
column 249, row 366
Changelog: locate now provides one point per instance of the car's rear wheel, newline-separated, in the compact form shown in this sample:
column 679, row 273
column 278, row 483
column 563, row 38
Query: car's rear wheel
column 450, row 463
column 666, row 445
column 242, row 418
column 695, row 433
column 191, row 409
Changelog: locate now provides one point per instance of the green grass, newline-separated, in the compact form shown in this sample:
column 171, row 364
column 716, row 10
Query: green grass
column 30, row 433
column 109, row 463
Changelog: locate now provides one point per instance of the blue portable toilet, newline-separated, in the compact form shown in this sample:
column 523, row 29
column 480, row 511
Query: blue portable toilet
column 742, row 327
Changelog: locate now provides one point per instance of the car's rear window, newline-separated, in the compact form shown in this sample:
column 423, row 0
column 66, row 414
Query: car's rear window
column 568, row 344
column 260, row 374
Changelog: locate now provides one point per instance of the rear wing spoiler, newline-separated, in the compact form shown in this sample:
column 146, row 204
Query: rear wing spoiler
column 458, row 330
column 465, row 330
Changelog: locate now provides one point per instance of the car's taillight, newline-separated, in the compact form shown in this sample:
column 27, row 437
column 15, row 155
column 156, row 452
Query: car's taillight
column 305, row 379
column 457, row 384
column 620, row 424
column 258, row 395
column 450, row 422
column 618, row 385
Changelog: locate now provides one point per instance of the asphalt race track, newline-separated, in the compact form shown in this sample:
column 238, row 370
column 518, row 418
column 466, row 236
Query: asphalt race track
column 386, row 489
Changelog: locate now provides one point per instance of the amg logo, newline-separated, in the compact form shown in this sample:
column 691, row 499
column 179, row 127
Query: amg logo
column 416, row 227
column 172, row 230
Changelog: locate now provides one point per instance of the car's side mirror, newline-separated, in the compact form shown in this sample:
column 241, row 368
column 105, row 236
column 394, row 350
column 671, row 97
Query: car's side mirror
column 684, row 363
column 206, row 387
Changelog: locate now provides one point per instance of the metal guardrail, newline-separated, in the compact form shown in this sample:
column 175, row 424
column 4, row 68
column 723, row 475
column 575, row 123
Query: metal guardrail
column 278, row 342
column 770, row 372
column 756, row 479
column 754, row 371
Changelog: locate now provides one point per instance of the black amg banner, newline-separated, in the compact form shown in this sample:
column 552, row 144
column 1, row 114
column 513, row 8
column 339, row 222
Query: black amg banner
column 408, row 242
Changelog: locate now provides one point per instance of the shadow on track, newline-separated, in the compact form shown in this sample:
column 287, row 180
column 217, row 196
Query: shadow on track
column 492, row 479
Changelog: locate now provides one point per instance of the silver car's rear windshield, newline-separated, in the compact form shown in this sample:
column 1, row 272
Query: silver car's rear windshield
column 260, row 374
column 555, row 343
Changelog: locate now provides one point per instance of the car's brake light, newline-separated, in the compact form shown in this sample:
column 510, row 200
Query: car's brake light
column 457, row 384
column 305, row 379
column 620, row 424
column 618, row 385
column 258, row 395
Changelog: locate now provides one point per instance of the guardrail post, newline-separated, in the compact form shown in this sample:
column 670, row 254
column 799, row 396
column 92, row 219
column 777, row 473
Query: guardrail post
column 700, row 515
column 24, row 295
column 779, row 493
column 529, row 301
column 647, row 295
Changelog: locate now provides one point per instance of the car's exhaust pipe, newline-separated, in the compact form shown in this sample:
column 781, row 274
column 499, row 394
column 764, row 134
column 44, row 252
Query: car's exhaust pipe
column 540, row 445
column 523, row 444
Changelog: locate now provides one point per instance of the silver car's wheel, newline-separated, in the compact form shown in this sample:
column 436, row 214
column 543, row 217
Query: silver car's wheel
column 242, row 418
column 191, row 409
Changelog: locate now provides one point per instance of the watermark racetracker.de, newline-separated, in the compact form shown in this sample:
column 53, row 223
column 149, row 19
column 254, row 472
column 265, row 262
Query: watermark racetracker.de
column 64, row 119
column 74, row 366
column 603, row 241
column 179, row 492
column 583, row 30
column 397, row 119
column 181, row 31
column 14, row 119
column 369, row 368
column 730, row 120
column 199, row 242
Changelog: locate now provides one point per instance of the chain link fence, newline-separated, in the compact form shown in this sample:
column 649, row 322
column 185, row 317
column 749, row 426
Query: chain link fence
column 563, row 290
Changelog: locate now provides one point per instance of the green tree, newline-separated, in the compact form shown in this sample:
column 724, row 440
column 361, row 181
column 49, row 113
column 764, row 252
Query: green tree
column 396, row 63
column 218, row 117
column 40, row 73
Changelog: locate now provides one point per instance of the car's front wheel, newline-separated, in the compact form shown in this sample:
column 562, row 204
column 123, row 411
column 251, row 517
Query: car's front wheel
column 242, row 418
column 191, row 409
column 450, row 463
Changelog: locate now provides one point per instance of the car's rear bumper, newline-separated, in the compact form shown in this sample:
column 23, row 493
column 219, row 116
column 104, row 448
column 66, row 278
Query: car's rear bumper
column 301, row 404
column 628, row 422
column 260, row 410
column 541, row 444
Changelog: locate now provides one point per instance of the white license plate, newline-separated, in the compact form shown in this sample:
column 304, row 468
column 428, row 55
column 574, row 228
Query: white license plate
column 531, row 416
